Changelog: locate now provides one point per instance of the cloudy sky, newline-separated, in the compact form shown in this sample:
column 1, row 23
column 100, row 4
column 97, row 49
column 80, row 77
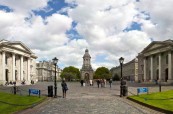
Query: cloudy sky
column 65, row 28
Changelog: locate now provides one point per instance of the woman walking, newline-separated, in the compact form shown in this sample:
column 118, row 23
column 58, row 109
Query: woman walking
column 64, row 88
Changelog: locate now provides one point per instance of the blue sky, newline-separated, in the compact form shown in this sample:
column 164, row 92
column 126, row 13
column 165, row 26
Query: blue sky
column 109, row 29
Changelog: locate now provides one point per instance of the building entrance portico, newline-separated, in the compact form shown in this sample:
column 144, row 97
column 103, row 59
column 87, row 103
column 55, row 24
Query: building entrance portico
column 15, row 59
column 157, row 60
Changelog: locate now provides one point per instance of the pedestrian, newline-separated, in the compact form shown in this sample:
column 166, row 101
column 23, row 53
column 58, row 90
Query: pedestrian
column 110, row 82
column 105, row 82
column 84, row 83
column 98, row 83
column 91, row 82
column 64, row 88
column 81, row 82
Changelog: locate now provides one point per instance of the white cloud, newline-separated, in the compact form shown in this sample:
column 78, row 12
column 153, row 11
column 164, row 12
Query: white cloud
column 160, row 24
column 99, row 22
column 24, row 6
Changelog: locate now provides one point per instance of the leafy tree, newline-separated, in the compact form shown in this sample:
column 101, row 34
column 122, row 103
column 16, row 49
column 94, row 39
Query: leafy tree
column 102, row 72
column 116, row 77
column 70, row 73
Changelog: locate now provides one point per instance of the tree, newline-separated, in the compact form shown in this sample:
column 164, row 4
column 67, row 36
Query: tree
column 70, row 73
column 102, row 73
column 116, row 77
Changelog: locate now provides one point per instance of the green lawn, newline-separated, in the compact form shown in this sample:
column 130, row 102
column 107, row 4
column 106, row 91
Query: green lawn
column 16, row 99
column 163, row 100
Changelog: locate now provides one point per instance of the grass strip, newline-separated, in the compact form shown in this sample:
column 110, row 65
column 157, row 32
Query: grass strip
column 162, row 100
column 10, row 103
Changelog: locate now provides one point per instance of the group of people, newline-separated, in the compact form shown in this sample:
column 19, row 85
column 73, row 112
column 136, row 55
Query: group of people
column 100, row 83
column 10, row 83
column 83, row 82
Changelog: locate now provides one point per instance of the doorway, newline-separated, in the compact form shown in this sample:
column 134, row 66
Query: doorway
column 166, row 75
column 6, row 75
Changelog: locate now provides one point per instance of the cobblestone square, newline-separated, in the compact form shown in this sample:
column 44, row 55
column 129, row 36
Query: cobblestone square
column 91, row 100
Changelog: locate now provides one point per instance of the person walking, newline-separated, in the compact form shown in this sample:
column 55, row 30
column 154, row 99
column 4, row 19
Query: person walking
column 81, row 82
column 104, row 82
column 98, row 83
column 110, row 82
column 91, row 82
column 64, row 88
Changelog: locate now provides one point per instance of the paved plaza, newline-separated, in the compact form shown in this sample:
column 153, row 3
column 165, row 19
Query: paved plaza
column 89, row 100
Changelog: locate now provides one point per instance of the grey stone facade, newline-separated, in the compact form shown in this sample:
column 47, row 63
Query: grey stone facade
column 17, row 62
column 86, row 71
column 129, row 70
column 46, row 71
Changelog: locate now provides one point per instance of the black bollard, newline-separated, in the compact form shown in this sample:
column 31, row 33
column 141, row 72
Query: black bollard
column 14, row 89
column 160, row 89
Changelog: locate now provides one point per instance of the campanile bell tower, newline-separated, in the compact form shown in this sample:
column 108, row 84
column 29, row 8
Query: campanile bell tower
column 86, row 71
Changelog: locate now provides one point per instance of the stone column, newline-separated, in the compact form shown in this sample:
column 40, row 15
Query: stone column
column 21, row 67
column 13, row 67
column 151, row 68
column 28, row 69
column 3, row 66
column 169, row 66
column 145, row 69
column 160, row 67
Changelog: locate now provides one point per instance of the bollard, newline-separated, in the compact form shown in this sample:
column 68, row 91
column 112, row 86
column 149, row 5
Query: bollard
column 50, row 91
column 160, row 88
column 14, row 89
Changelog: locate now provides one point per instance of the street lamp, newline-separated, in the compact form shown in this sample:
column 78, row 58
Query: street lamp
column 121, row 60
column 55, row 61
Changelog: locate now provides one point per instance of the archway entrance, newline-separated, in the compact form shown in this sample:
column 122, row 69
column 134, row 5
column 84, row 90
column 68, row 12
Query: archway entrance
column 166, row 75
column 87, row 77
column 6, row 75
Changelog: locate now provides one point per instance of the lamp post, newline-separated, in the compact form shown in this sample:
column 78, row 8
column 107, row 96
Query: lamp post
column 121, row 60
column 55, row 61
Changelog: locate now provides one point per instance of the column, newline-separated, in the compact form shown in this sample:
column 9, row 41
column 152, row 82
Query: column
column 169, row 66
column 21, row 67
column 160, row 68
column 151, row 68
column 28, row 69
column 13, row 67
column 145, row 70
column 3, row 66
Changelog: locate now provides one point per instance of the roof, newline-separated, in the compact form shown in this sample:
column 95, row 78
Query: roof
column 86, row 54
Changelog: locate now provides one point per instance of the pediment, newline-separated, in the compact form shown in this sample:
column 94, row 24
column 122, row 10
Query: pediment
column 154, row 46
column 21, row 46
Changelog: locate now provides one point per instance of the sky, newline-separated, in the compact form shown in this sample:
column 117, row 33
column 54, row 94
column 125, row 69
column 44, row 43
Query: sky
column 110, row 29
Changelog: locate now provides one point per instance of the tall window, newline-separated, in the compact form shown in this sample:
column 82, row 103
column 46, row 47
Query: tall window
column 166, row 59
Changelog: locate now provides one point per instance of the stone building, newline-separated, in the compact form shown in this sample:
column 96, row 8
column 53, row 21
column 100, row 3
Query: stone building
column 155, row 62
column 46, row 71
column 129, row 70
column 17, row 62
column 86, row 71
